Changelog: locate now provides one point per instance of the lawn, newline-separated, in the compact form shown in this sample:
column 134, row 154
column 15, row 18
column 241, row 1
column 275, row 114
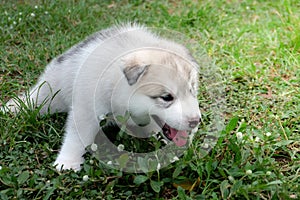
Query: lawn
column 252, row 51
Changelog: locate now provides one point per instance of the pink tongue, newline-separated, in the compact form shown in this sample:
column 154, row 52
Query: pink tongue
column 179, row 137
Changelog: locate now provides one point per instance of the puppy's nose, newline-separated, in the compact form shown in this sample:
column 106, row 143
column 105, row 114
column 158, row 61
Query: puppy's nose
column 193, row 122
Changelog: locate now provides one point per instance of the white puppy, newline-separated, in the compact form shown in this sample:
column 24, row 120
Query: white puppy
column 120, row 69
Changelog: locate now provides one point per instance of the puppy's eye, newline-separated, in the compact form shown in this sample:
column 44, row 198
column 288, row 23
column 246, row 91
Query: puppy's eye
column 167, row 97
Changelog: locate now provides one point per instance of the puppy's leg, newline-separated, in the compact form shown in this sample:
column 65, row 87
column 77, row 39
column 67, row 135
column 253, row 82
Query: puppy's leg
column 80, row 132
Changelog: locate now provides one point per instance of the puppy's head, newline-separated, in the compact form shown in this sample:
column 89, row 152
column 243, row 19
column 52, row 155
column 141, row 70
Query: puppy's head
column 164, row 92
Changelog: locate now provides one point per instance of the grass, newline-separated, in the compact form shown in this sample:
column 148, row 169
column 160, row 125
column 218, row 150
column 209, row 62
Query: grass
column 254, row 45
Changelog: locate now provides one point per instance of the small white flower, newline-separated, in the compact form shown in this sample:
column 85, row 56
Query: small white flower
column 46, row 12
column 268, row 134
column 94, row 147
column 120, row 147
column 48, row 182
column 5, row 12
column 9, row 18
column 0, row 167
column 69, row 11
column 91, row 162
column 268, row 173
column 249, row 171
column 36, row 7
column 250, row 138
column 239, row 135
column 85, row 178
column 247, row 7
column 101, row 117
column 14, row 22
column 230, row 178
column 174, row 159
column 20, row 13
column 205, row 145
column 109, row 162
column 20, row 19
column 32, row 15
column 257, row 139
column 158, row 166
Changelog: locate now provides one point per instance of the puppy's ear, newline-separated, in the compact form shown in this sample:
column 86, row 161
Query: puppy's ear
column 134, row 72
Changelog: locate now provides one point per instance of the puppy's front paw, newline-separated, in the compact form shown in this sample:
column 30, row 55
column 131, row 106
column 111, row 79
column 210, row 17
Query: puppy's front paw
column 68, row 164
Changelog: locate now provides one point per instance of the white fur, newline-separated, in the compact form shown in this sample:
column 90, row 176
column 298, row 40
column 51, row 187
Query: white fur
column 90, row 81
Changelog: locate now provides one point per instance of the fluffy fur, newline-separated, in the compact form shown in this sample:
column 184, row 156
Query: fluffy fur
column 123, row 68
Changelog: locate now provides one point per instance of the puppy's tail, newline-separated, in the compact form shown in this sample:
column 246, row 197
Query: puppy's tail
column 36, row 99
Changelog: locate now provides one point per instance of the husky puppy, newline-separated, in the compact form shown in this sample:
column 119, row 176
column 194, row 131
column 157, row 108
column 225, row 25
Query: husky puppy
column 123, row 69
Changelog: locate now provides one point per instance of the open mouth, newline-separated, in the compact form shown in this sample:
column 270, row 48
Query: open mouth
column 177, row 136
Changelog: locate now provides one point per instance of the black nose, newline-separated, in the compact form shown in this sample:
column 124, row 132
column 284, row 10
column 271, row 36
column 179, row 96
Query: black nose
column 194, row 122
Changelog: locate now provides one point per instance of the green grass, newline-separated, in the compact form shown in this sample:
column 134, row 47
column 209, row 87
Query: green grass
column 254, row 44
